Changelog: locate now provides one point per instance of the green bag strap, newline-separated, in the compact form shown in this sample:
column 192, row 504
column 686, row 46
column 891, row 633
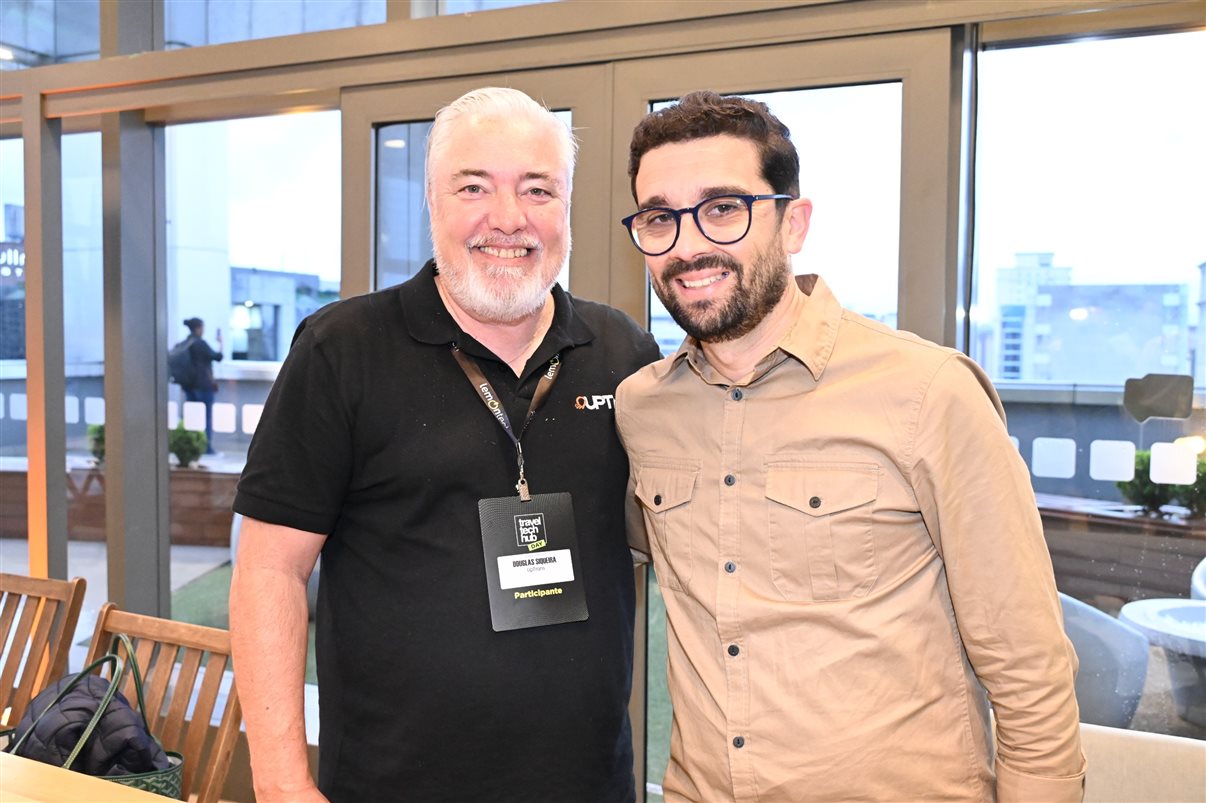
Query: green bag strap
column 132, row 665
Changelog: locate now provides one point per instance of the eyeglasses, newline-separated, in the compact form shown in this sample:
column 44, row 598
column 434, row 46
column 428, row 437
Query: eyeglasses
column 724, row 219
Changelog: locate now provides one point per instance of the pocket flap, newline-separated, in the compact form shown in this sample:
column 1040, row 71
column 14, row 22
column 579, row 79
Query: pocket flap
column 663, row 487
column 822, row 490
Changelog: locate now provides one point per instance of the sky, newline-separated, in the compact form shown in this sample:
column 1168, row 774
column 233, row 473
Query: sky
column 1094, row 151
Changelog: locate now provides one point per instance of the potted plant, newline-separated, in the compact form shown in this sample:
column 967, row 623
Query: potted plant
column 1142, row 491
column 186, row 444
column 1193, row 497
column 96, row 442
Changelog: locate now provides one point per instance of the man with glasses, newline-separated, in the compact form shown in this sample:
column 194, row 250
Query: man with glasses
column 475, row 609
column 849, row 550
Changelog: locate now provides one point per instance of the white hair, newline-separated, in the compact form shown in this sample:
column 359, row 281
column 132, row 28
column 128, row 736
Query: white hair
column 494, row 101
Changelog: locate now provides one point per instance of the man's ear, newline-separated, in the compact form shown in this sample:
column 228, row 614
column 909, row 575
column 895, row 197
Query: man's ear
column 795, row 224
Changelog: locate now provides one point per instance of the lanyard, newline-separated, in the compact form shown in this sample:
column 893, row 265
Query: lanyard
column 489, row 398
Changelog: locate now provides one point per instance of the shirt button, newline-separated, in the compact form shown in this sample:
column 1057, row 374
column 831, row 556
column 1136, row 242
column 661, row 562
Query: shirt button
column 734, row 649
column 730, row 480
column 815, row 502
column 657, row 499
column 730, row 567
column 736, row 395
column 739, row 742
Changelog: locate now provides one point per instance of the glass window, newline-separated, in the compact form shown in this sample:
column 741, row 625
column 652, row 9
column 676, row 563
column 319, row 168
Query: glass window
column 432, row 8
column 84, row 402
column 850, row 169
column 191, row 23
column 14, row 548
column 33, row 34
column 84, row 355
column 253, row 246
column 1090, row 257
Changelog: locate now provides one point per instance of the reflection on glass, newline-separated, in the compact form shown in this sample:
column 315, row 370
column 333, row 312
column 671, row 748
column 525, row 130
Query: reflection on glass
column 191, row 23
column 83, row 330
column 33, row 34
column 253, row 246
column 84, row 355
column 1088, row 288
column 848, row 138
column 403, row 224
column 428, row 8
column 12, row 299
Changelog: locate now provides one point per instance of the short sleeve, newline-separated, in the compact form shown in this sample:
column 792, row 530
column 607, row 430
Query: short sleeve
column 299, row 463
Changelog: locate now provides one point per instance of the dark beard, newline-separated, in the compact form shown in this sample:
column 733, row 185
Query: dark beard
column 746, row 307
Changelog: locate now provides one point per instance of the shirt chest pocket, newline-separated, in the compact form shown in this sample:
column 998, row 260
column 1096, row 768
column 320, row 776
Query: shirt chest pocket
column 665, row 493
column 819, row 529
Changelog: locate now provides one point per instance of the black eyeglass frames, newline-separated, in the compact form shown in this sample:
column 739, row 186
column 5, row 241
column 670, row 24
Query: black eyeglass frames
column 723, row 219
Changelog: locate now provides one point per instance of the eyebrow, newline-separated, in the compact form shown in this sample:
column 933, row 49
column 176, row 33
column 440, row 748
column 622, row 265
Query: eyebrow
column 706, row 192
column 476, row 172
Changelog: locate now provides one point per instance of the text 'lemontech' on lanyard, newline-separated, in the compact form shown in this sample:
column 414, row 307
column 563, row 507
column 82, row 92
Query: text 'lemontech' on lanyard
column 489, row 398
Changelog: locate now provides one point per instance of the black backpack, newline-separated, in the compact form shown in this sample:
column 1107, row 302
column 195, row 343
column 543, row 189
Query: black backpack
column 180, row 364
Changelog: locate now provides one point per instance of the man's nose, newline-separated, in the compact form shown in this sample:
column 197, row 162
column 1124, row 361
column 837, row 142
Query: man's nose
column 691, row 242
column 507, row 213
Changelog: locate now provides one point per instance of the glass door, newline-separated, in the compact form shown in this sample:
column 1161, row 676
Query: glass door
column 872, row 120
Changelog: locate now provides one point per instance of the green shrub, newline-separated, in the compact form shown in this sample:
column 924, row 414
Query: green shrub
column 1142, row 491
column 96, row 441
column 1193, row 496
column 186, row 444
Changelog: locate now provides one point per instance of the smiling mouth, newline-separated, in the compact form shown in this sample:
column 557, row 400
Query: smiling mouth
column 504, row 253
column 693, row 284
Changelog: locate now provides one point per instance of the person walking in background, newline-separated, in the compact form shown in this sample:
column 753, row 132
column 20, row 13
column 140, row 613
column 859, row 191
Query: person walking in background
column 203, row 387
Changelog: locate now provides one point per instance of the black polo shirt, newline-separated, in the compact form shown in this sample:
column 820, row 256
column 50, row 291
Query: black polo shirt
column 373, row 434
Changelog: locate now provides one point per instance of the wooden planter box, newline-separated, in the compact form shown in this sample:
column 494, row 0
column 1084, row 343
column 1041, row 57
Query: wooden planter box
column 201, row 501
column 1109, row 550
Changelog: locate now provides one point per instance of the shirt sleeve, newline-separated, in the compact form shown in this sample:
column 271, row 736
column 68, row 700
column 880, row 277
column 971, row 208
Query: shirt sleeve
column 300, row 459
column 977, row 502
column 634, row 517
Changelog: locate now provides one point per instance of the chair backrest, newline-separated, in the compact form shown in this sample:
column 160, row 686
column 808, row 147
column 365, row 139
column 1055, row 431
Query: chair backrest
column 37, row 621
column 183, row 667
column 1197, row 581
column 1113, row 663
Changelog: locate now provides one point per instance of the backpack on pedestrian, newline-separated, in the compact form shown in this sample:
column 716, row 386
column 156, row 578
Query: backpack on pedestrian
column 181, row 369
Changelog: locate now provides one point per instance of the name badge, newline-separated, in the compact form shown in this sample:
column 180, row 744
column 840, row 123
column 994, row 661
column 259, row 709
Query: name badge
column 533, row 574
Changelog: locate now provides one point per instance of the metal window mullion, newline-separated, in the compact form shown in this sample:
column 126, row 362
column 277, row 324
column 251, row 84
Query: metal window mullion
column 137, row 498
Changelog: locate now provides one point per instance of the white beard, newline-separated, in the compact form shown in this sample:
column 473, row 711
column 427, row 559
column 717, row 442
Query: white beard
column 498, row 293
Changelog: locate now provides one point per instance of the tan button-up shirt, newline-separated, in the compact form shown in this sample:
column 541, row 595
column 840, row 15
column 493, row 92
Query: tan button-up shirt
column 850, row 555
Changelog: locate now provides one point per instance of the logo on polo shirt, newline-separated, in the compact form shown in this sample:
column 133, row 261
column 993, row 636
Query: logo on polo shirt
column 595, row 402
column 529, row 531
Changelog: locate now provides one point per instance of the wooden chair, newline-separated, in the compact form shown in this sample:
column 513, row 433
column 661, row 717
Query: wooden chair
column 182, row 666
column 44, row 613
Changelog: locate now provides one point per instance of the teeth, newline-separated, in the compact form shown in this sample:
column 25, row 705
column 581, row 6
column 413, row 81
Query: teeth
column 704, row 282
column 504, row 253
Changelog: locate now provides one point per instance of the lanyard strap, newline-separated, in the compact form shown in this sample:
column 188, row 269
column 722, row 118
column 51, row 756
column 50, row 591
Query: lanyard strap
column 485, row 392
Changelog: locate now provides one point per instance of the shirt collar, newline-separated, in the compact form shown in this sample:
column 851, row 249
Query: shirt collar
column 810, row 339
column 428, row 320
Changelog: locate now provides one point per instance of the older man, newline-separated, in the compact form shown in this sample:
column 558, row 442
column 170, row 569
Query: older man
column 474, row 625
column 846, row 539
